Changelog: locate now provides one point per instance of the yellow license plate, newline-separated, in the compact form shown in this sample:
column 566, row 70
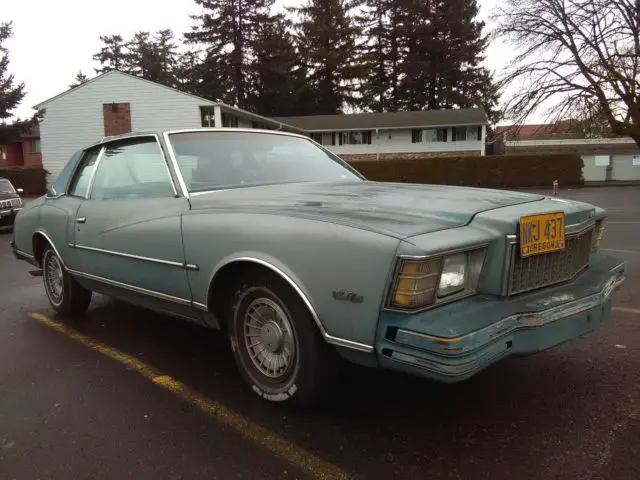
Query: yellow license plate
column 541, row 233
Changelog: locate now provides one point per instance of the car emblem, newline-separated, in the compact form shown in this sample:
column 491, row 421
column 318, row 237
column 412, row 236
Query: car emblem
column 347, row 296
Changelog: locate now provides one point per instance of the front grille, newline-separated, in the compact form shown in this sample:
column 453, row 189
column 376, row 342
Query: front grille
column 546, row 269
column 9, row 203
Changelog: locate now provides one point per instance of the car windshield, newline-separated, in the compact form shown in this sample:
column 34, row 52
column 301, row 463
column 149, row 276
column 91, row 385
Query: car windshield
column 6, row 187
column 222, row 159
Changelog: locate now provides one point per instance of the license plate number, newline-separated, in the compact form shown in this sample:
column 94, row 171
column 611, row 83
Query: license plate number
column 541, row 233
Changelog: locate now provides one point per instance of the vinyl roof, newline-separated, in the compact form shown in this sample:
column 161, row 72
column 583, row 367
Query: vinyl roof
column 387, row 120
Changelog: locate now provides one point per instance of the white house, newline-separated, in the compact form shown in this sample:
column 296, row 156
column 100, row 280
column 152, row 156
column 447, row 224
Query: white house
column 116, row 102
column 377, row 136
column 605, row 159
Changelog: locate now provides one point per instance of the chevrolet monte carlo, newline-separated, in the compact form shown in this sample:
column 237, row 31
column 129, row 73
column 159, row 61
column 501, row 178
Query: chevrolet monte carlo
column 303, row 263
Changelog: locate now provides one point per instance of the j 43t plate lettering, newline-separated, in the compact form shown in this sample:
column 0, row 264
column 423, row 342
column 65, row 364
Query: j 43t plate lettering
column 541, row 233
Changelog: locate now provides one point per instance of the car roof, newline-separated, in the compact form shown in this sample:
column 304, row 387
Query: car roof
column 160, row 133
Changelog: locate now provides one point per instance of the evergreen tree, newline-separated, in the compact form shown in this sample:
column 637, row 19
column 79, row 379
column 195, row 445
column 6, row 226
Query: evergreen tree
column 153, row 58
column 112, row 55
column 278, row 79
column 228, row 32
column 187, row 72
column 381, row 24
column 11, row 93
column 326, row 35
column 444, row 51
column 79, row 79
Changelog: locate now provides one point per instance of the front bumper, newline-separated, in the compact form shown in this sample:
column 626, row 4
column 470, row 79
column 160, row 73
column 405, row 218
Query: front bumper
column 441, row 344
column 8, row 216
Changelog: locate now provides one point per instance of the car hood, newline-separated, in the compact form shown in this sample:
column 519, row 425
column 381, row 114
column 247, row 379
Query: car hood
column 397, row 209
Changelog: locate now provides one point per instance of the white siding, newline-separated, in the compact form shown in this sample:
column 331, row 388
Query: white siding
column 399, row 141
column 74, row 120
column 592, row 172
column 622, row 168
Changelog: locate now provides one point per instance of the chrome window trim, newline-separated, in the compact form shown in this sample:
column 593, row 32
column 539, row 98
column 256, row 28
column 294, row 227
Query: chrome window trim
column 341, row 342
column 233, row 129
column 133, row 288
column 125, row 139
column 174, row 162
column 93, row 174
column 187, row 266
column 73, row 175
column 176, row 166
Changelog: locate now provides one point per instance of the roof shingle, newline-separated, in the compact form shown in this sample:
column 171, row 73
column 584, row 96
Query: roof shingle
column 411, row 119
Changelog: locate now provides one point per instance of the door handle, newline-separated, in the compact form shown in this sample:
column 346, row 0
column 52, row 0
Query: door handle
column 81, row 219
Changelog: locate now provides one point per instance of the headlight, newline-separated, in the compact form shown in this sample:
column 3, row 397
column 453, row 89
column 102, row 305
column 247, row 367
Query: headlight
column 421, row 283
column 416, row 283
column 598, row 232
column 454, row 275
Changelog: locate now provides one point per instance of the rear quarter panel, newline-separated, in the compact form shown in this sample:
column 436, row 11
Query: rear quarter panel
column 319, row 257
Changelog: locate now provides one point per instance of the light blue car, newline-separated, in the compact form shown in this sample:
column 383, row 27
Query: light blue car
column 302, row 262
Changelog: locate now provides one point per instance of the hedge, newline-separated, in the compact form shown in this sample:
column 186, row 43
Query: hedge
column 33, row 180
column 494, row 171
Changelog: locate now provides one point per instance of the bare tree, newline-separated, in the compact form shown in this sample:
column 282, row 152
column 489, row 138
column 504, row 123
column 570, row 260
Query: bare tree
column 581, row 58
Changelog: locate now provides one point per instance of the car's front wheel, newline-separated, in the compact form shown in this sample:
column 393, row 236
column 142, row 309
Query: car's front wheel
column 65, row 295
column 277, row 347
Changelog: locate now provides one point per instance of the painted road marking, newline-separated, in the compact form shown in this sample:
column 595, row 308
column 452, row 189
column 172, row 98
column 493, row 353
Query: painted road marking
column 619, row 251
column 277, row 445
column 627, row 310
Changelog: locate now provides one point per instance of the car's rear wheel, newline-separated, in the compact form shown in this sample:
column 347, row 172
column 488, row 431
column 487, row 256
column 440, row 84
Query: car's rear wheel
column 276, row 344
column 65, row 294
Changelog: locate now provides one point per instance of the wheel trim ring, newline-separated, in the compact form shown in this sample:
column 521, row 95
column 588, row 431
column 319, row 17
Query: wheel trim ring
column 273, row 362
column 53, row 279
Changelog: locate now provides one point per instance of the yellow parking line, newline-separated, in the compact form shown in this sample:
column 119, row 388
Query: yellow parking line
column 277, row 445
column 626, row 310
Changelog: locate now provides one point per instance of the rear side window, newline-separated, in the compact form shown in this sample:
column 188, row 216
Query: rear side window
column 83, row 175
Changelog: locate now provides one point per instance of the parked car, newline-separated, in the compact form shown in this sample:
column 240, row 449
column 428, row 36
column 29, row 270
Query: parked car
column 10, row 202
column 297, row 258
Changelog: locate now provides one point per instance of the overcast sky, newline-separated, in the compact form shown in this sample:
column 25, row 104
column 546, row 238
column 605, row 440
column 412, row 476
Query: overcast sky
column 53, row 39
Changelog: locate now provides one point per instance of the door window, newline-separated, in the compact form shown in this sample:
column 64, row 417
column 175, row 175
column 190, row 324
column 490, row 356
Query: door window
column 132, row 169
column 83, row 174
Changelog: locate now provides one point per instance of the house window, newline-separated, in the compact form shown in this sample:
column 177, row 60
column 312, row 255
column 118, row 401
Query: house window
column 35, row 145
column 229, row 121
column 324, row 138
column 429, row 135
column 467, row 134
column 208, row 116
column 355, row 138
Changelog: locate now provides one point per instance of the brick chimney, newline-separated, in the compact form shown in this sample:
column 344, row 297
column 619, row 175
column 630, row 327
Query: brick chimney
column 117, row 118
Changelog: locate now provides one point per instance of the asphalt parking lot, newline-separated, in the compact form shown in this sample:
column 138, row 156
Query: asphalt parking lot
column 126, row 393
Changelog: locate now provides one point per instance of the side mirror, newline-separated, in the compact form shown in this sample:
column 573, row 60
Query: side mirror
column 19, row 190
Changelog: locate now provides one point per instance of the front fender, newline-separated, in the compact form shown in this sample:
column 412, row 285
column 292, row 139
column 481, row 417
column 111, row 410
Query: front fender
column 316, row 258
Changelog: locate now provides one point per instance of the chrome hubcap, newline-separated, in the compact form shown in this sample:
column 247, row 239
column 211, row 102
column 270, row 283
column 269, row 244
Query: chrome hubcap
column 53, row 278
column 269, row 339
